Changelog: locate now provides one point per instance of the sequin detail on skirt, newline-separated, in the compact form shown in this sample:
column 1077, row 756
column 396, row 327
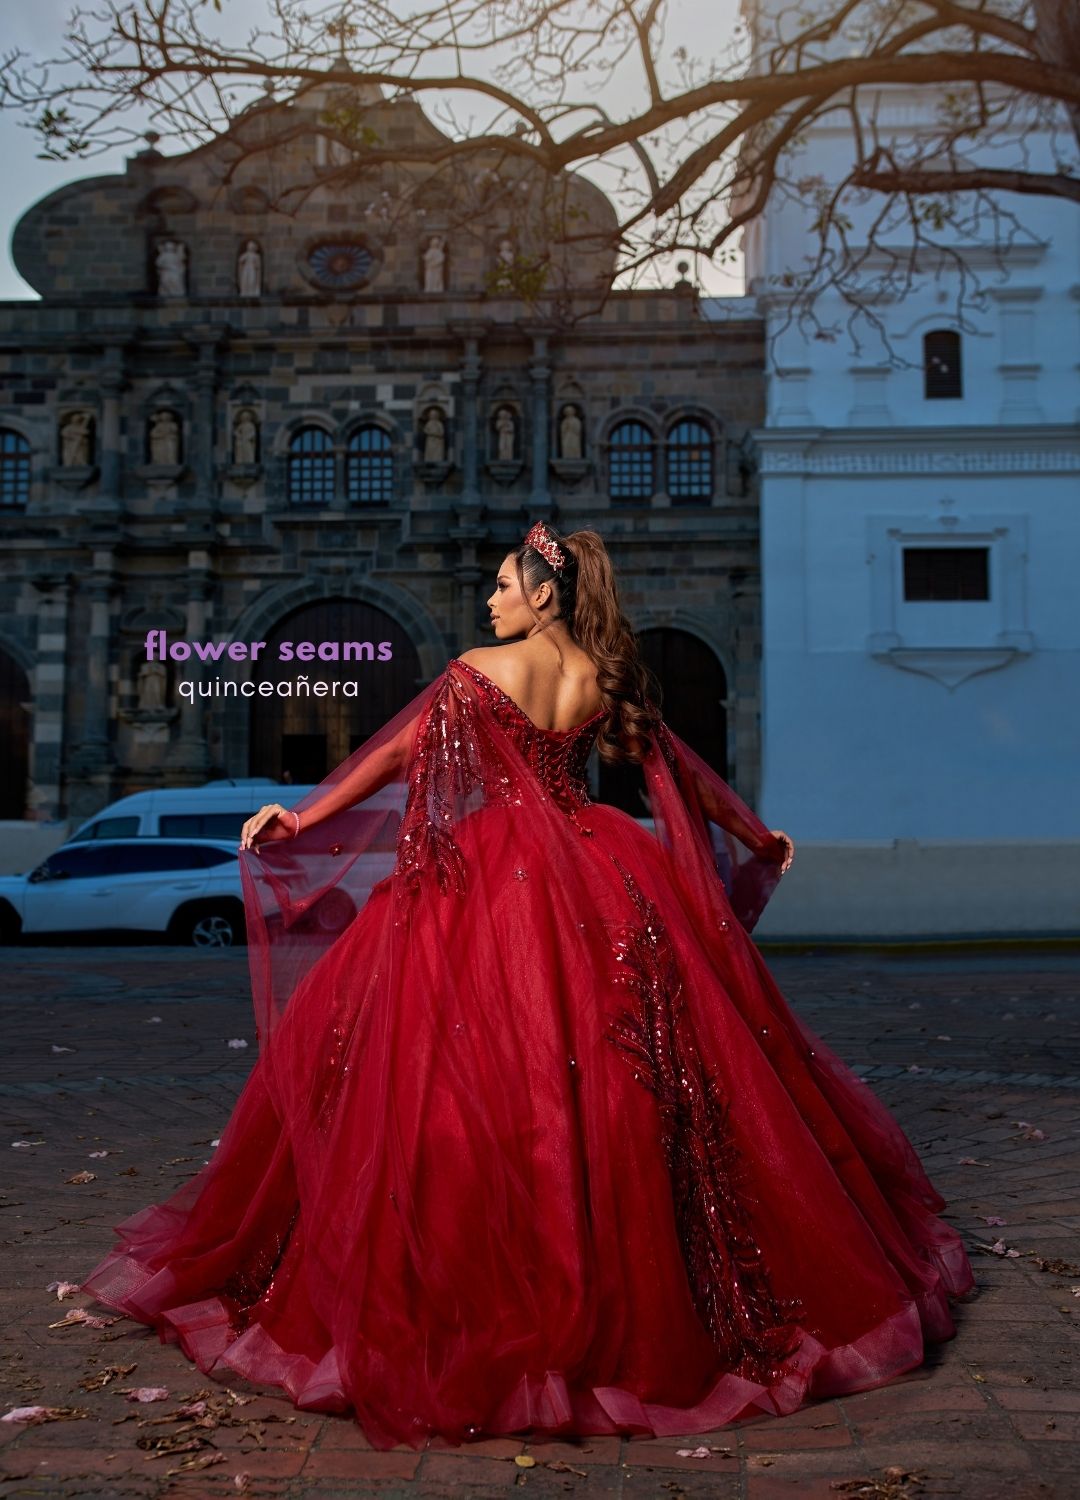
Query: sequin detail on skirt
column 254, row 1280
column 752, row 1328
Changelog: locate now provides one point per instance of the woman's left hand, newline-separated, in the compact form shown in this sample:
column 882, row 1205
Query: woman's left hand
column 778, row 833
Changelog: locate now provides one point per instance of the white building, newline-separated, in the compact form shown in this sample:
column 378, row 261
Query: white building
column 920, row 523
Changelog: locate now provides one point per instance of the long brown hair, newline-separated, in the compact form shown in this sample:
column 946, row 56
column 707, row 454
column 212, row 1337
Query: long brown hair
column 588, row 599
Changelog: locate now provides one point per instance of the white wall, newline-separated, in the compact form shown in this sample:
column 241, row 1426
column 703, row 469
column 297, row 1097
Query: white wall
column 890, row 720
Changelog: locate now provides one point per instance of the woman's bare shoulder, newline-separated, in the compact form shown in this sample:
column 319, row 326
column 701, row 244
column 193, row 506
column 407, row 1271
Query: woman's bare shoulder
column 502, row 664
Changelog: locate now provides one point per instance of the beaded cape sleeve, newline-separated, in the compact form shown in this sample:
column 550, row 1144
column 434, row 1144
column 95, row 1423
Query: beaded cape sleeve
column 391, row 823
column 694, row 809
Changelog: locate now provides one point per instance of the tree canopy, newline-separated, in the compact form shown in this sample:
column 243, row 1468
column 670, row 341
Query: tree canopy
column 690, row 136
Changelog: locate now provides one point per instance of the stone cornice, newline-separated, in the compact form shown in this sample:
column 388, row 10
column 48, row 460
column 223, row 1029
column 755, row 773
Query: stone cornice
column 950, row 450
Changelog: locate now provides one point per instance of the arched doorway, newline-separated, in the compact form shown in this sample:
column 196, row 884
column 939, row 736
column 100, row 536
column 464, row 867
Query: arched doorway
column 301, row 739
column 694, row 691
column 14, row 737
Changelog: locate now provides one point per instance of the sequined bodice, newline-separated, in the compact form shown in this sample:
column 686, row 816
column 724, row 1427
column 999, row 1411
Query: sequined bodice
column 557, row 756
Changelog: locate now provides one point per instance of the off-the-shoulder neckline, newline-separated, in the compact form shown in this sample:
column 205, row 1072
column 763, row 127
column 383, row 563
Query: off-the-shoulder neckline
column 469, row 667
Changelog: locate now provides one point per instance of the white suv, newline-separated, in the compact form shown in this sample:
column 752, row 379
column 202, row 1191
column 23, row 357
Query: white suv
column 187, row 889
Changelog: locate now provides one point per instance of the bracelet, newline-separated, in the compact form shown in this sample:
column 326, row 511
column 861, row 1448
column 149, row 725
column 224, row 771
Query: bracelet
column 296, row 815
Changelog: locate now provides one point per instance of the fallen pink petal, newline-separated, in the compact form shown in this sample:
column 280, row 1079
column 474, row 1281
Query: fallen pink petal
column 145, row 1393
column 63, row 1289
column 25, row 1414
column 79, row 1315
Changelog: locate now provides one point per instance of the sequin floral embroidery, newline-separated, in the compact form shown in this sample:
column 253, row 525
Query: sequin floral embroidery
column 752, row 1328
column 446, row 767
column 557, row 757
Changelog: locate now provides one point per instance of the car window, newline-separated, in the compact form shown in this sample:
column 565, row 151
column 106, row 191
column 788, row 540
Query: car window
column 108, row 828
column 74, row 864
column 220, row 825
column 213, row 857
column 117, row 828
column 148, row 857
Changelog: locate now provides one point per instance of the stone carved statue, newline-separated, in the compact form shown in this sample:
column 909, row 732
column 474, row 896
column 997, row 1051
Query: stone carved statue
column 245, row 449
column 249, row 270
column 570, row 433
column 435, row 264
column 75, row 440
column 434, row 430
column 505, row 434
column 171, row 263
column 164, row 439
column 151, row 685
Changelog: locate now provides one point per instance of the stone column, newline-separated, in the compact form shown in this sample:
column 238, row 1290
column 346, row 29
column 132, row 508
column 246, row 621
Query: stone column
column 203, row 437
column 743, row 704
column 188, row 760
column 90, row 766
column 469, row 532
column 470, row 421
column 540, row 504
column 48, row 691
column 467, row 529
column 113, row 382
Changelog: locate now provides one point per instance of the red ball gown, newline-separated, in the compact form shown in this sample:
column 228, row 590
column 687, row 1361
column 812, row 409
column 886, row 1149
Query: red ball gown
column 533, row 1141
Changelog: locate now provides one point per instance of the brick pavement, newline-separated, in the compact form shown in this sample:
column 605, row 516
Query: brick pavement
column 960, row 1045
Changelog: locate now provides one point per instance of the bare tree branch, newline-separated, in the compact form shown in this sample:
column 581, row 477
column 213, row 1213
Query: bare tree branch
column 703, row 145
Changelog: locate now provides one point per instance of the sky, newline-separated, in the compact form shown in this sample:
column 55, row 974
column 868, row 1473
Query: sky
column 37, row 28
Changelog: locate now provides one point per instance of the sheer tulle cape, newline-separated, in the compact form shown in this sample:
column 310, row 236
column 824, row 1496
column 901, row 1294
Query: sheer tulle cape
column 533, row 1141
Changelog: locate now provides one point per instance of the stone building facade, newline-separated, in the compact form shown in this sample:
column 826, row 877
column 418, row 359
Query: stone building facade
column 273, row 391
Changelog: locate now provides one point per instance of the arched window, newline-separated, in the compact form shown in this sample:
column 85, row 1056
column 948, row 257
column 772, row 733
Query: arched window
column 14, row 468
column 943, row 375
column 371, row 467
column 689, row 461
column 311, row 467
column 632, row 462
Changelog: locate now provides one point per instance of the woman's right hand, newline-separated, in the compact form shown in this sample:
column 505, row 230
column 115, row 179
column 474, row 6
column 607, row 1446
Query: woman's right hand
column 264, row 826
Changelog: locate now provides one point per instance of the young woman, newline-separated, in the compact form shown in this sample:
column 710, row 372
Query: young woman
column 534, row 1143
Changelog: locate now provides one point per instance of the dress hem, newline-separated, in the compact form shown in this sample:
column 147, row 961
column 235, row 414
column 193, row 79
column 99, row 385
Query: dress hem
column 540, row 1406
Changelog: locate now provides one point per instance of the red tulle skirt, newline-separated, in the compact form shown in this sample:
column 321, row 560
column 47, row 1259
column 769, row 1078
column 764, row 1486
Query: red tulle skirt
column 547, row 1159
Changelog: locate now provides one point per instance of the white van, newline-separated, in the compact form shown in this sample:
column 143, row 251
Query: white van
column 217, row 810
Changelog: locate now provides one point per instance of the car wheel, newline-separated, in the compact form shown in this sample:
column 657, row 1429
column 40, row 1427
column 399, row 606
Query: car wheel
column 216, row 926
column 10, row 926
column 335, row 911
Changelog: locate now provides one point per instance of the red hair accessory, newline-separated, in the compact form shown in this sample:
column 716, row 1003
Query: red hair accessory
column 542, row 540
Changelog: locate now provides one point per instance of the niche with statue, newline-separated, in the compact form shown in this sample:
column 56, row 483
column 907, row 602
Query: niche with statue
column 244, row 464
column 433, row 435
column 569, row 455
column 77, row 443
column 505, row 440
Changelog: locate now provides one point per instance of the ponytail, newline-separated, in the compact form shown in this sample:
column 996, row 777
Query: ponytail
column 589, row 606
